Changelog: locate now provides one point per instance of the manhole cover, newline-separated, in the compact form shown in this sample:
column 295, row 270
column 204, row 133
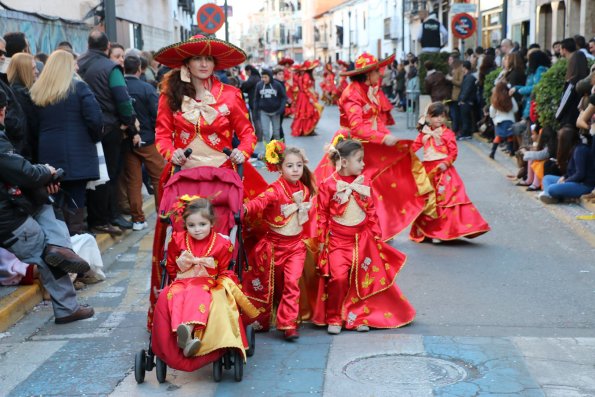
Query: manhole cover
column 400, row 370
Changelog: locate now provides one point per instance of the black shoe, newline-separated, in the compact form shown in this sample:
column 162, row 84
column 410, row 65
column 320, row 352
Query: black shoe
column 122, row 223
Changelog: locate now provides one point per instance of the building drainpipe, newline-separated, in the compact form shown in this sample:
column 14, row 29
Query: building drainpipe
column 109, row 9
column 504, row 18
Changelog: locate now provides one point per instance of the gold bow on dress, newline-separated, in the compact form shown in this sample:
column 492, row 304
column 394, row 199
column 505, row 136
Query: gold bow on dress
column 430, row 133
column 192, row 110
column 297, row 206
column 345, row 189
column 191, row 266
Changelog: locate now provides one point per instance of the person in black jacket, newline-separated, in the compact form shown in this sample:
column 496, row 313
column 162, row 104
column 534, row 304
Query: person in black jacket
column 466, row 101
column 249, row 88
column 269, row 104
column 32, row 232
column 145, row 101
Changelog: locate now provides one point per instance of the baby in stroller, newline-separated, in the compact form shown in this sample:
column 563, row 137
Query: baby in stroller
column 197, row 319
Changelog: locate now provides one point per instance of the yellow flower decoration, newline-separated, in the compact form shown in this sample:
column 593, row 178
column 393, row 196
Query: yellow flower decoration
column 337, row 139
column 273, row 152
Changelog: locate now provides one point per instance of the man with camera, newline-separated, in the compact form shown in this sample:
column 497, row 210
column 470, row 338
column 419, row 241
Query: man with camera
column 29, row 228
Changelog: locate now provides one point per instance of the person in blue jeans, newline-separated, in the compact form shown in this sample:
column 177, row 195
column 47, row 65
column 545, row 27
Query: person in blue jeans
column 579, row 178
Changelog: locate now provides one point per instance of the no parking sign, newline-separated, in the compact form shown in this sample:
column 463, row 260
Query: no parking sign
column 210, row 17
column 463, row 26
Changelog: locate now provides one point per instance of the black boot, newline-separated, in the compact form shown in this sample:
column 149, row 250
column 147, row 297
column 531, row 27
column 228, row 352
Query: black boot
column 510, row 147
column 493, row 152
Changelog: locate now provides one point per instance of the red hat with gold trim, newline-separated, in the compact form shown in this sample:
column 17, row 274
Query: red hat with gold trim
column 366, row 63
column 226, row 55
column 286, row 62
column 307, row 65
column 342, row 63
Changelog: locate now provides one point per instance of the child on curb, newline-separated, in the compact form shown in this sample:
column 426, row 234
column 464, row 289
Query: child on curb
column 357, row 267
column 457, row 216
column 502, row 110
column 277, row 261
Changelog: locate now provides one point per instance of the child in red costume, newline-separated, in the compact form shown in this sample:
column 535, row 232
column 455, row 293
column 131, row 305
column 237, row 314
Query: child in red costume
column 358, row 268
column 195, row 258
column 457, row 216
column 277, row 261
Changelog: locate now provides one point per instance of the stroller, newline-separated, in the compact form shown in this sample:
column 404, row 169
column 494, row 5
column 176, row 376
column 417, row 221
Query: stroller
column 224, row 188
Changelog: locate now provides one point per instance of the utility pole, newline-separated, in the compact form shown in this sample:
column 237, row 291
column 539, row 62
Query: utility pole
column 226, row 24
column 109, row 19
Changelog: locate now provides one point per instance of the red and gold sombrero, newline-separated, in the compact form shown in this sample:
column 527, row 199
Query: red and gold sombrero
column 308, row 65
column 226, row 55
column 286, row 62
column 366, row 63
column 342, row 63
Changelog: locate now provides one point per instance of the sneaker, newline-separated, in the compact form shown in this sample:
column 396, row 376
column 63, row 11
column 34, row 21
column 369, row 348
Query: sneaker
column 547, row 199
column 334, row 329
column 122, row 223
column 192, row 348
column 137, row 226
column 362, row 328
column 184, row 334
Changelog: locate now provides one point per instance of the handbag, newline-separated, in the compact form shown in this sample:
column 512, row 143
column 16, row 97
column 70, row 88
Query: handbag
column 103, row 175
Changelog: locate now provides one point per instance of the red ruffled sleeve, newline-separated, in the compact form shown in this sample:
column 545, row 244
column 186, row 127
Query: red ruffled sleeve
column 164, row 129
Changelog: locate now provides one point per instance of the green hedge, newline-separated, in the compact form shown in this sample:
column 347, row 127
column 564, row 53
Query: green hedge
column 489, row 84
column 548, row 93
column 440, row 60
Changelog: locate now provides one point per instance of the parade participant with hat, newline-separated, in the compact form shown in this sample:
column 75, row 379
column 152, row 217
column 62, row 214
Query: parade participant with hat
column 395, row 174
column 290, row 86
column 307, row 110
column 198, row 112
column 328, row 86
column 342, row 78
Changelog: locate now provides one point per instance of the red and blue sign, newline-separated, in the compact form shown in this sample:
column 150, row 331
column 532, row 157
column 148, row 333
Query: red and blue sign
column 463, row 26
column 210, row 17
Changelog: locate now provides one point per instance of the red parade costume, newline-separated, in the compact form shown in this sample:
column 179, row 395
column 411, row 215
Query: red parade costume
column 397, row 176
column 291, row 89
column 457, row 216
column 359, row 270
column 385, row 109
column 209, row 302
column 328, row 86
column 307, row 110
column 277, row 261
column 206, row 125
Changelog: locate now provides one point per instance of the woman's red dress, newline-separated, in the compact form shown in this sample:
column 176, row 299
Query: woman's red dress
column 402, row 189
column 457, row 216
column 358, row 269
column 307, row 110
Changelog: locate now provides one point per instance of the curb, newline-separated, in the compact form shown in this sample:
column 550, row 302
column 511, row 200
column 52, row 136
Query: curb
column 18, row 303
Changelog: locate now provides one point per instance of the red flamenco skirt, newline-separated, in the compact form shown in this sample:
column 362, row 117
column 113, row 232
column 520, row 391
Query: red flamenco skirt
column 457, row 216
column 360, row 288
column 273, row 279
column 399, row 183
column 305, row 116
column 189, row 301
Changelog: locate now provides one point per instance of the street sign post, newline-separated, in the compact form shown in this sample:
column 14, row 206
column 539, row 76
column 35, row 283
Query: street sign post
column 458, row 8
column 210, row 18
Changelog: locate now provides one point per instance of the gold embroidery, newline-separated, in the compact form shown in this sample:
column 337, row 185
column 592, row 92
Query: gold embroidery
column 353, row 214
column 169, row 295
column 388, row 315
column 375, row 269
column 324, row 297
column 387, row 266
column 366, row 310
column 202, row 308
column 354, row 300
column 382, row 281
column 367, row 281
column 393, row 185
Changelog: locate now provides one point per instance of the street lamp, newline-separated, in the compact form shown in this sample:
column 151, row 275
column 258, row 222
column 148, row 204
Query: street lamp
column 349, row 17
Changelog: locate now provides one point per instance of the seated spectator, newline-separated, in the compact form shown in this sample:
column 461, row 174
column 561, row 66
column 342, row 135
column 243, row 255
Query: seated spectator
column 579, row 177
column 540, row 159
column 30, row 230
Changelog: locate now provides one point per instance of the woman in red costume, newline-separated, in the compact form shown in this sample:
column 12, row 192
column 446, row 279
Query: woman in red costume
column 457, row 216
column 402, row 188
column 342, row 78
column 307, row 110
column 358, row 268
column 197, row 111
column 278, row 259
column 328, row 86
column 290, row 87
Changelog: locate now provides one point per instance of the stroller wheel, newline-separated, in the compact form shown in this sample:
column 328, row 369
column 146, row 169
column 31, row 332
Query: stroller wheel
column 227, row 360
column 238, row 365
column 251, row 336
column 161, row 370
column 218, row 369
column 139, row 366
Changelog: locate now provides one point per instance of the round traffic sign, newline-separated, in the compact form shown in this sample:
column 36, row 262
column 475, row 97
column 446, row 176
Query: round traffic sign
column 210, row 18
column 463, row 26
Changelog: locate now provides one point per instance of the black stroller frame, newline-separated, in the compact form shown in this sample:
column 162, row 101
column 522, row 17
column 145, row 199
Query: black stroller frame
column 146, row 360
